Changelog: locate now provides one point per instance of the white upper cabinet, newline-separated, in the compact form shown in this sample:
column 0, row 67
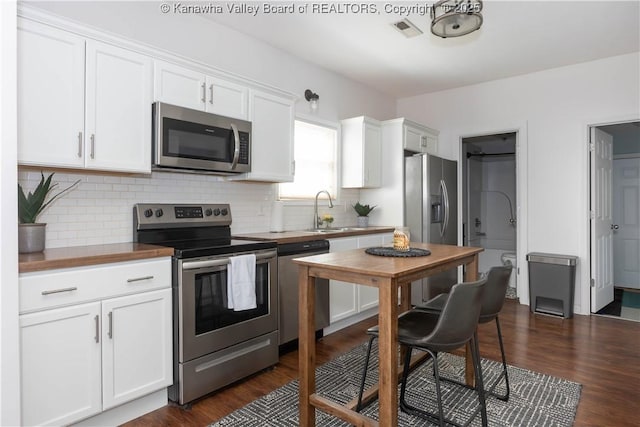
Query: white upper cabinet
column 272, row 121
column 419, row 139
column 82, row 103
column 192, row 89
column 118, row 109
column 50, row 96
column 361, row 153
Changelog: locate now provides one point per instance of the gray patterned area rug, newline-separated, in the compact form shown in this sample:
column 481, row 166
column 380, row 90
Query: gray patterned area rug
column 536, row 399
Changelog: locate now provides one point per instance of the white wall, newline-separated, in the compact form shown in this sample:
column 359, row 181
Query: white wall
column 9, row 337
column 554, row 108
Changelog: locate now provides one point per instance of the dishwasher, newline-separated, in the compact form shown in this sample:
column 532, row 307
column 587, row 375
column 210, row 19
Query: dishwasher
column 288, row 291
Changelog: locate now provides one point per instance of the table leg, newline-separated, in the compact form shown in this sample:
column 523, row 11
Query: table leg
column 470, row 275
column 307, row 345
column 388, row 353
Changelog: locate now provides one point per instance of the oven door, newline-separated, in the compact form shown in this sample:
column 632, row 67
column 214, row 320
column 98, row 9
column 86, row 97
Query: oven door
column 192, row 139
column 204, row 321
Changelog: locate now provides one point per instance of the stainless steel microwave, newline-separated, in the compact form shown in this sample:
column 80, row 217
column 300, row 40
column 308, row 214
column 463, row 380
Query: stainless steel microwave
column 192, row 140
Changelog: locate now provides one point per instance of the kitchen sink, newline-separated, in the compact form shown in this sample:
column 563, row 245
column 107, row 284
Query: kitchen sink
column 334, row 230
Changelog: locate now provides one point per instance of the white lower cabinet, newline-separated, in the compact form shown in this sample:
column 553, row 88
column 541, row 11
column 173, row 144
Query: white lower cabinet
column 136, row 346
column 60, row 368
column 81, row 358
column 346, row 299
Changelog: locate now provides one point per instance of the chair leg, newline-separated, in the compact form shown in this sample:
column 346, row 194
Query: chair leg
column 475, row 353
column 504, row 373
column 410, row 409
column 364, row 374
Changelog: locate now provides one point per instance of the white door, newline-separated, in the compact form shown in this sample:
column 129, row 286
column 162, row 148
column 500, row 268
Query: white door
column 50, row 96
column 626, row 220
column 136, row 346
column 118, row 110
column 60, row 365
column 602, row 220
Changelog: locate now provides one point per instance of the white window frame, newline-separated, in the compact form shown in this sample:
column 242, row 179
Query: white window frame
column 338, row 159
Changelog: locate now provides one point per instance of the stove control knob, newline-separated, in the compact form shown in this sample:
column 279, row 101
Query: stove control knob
column 148, row 213
column 208, row 212
column 224, row 211
column 216, row 211
column 159, row 213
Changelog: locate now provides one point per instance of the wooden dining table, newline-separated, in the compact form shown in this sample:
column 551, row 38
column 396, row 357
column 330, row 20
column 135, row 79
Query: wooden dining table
column 388, row 274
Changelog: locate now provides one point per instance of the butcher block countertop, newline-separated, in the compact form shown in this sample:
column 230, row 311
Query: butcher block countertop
column 306, row 236
column 78, row 256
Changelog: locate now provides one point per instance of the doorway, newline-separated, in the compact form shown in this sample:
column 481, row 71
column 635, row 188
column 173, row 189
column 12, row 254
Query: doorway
column 615, row 223
column 489, row 201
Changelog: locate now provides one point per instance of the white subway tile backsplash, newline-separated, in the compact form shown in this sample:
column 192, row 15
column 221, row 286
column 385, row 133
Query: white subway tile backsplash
column 100, row 209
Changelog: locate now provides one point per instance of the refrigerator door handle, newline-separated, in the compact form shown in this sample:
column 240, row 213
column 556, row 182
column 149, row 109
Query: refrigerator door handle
column 445, row 200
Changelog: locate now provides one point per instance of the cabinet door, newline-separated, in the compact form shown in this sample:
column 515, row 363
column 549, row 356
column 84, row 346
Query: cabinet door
column 372, row 156
column 343, row 298
column 50, row 96
column 136, row 346
column 368, row 296
column 413, row 139
column 118, row 110
column 179, row 86
column 227, row 98
column 60, row 369
column 361, row 153
column 272, row 121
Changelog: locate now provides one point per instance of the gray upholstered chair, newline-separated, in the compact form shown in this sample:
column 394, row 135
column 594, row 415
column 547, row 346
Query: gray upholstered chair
column 492, row 302
column 454, row 327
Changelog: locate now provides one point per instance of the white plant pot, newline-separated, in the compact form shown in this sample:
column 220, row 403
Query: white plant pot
column 363, row 221
column 31, row 238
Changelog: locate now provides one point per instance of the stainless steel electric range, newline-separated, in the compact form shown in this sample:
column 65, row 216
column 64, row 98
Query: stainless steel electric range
column 213, row 344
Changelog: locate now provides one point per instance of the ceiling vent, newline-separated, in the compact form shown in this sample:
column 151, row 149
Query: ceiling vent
column 407, row 28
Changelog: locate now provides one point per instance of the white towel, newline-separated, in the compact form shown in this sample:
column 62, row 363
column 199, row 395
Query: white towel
column 241, row 282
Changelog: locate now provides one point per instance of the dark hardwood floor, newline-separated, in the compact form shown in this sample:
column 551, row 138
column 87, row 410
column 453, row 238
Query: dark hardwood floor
column 601, row 353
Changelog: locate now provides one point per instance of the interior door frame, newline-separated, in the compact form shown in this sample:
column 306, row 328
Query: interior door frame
column 522, row 241
column 587, row 125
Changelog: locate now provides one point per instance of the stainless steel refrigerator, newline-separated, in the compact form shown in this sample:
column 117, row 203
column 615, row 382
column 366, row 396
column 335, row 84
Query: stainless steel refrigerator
column 431, row 213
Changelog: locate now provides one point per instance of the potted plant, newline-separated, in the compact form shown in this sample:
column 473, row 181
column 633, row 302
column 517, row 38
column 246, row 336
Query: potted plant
column 31, row 234
column 363, row 214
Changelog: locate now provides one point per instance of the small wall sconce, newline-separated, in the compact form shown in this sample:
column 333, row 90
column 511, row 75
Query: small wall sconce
column 312, row 98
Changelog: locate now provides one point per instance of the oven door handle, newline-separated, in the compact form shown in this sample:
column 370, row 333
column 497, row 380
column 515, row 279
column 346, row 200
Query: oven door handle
column 192, row 265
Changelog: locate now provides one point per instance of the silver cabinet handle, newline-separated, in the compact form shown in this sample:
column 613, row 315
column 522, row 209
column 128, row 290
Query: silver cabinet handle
column 211, row 92
column 204, row 93
column 79, row 144
column 615, row 226
column 110, row 333
column 139, row 279
column 97, row 337
column 93, row 146
column 57, row 291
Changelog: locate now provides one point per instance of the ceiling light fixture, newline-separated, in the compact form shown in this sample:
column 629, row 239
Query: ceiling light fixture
column 312, row 98
column 455, row 18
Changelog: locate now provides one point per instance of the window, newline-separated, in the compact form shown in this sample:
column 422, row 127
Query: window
column 315, row 148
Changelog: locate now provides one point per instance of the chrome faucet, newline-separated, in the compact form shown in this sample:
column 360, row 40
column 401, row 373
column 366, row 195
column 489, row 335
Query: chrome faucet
column 317, row 223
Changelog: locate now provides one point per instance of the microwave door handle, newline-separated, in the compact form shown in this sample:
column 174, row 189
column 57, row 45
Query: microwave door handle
column 236, row 146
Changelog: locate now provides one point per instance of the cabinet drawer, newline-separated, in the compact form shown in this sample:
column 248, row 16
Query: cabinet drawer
column 53, row 288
